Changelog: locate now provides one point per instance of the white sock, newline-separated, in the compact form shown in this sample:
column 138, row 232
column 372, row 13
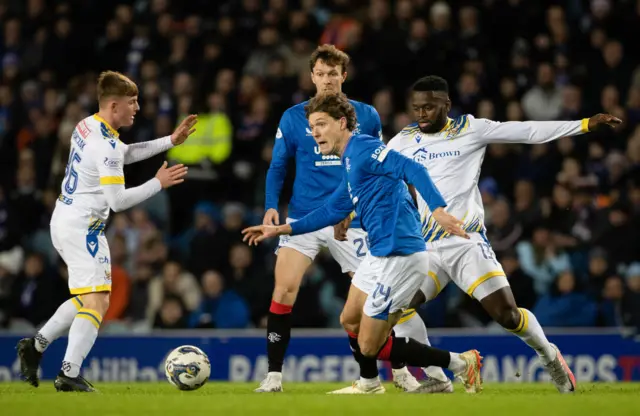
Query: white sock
column 456, row 364
column 530, row 331
column 276, row 374
column 368, row 382
column 415, row 328
column 58, row 324
column 82, row 336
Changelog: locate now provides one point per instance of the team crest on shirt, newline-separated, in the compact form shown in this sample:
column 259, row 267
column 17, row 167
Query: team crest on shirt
column 108, row 135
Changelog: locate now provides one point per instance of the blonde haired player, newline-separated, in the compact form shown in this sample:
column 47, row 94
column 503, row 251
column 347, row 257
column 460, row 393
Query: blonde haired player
column 93, row 185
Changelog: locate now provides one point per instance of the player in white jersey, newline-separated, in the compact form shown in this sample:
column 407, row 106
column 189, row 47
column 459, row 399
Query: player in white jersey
column 452, row 151
column 93, row 185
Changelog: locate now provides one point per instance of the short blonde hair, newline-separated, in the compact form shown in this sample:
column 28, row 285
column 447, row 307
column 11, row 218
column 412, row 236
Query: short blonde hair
column 114, row 84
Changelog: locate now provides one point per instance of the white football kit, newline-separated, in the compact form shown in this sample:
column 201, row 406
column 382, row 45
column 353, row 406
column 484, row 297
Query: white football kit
column 94, row 184
column 348, row 253
column 453, row 158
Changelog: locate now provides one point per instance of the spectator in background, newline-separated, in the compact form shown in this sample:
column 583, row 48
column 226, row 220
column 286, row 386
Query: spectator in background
column 176, row 282
column 527, row 209
column 521, row 284
column 565, row 305
column 220, row 308
column 503, row 231
column 139, row 296
column 249, row 279
column 616, row 233
column 599, row 270
column 543, row 101
column 9, row 232
column 269, row 46
column 35, row 291
column 171, row 315
column 609, row 313
column 630, row 307
column 541, row 259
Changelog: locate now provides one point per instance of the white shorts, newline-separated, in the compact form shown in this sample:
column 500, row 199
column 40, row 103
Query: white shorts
column 85, row 251
column 348, row 253
column 390, row 282
column 470, row 264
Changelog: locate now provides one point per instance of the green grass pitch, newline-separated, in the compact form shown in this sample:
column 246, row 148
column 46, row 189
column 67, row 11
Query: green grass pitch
column 310, row 399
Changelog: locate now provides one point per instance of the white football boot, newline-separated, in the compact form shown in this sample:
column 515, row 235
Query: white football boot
column 560, row 373
column 360, row 388
column 271, row 384
column 404, row 380
column 433, row 385
column 470, row 374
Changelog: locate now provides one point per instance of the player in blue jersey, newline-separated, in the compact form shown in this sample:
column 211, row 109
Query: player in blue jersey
column 373, row 182
column 317, row 176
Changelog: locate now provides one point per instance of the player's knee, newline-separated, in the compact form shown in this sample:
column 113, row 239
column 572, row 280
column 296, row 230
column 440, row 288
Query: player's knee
column 368, row 347
column 508, row 317
column 285, row 292
column 349, row 323
column 98, row 301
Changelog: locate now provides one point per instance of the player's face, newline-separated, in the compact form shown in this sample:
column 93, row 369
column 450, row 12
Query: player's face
column 125, row 110
column 327, row 79
column 430, row 109
column 327, row 132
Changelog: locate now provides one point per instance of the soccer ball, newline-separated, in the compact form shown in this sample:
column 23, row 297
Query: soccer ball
column 187, row 367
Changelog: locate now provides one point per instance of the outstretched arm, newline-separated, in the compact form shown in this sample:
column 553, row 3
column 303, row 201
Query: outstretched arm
column 337, row 207
column 136, row 152
column 532, row 132
column 140, row 151
column 332, row 212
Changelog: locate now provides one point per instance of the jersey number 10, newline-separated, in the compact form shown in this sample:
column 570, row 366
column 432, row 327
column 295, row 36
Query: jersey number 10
column 70, row 173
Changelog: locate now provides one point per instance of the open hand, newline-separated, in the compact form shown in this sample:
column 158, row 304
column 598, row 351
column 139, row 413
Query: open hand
column 603, row 120
column 172, row 175
column 449, row 223
column 184, row 130
column 258, row 233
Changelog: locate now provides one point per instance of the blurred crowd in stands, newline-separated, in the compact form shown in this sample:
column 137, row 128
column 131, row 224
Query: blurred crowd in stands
column 563, row 217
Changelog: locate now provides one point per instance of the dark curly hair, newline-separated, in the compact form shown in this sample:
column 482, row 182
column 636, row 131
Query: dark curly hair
column 336, row 105
column 431, row 83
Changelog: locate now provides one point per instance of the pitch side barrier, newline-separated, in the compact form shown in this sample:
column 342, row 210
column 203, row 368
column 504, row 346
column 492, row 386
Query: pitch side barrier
column 324, row 355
